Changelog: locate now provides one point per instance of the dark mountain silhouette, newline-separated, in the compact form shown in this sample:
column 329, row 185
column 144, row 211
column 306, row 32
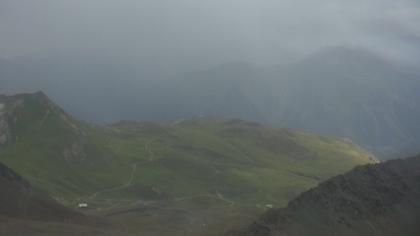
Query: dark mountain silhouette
column 18, row 199
column 378, row 199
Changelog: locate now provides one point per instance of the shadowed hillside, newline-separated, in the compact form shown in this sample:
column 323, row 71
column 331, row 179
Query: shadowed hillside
column 19, row 200
column 380, row 199
column 25, row 210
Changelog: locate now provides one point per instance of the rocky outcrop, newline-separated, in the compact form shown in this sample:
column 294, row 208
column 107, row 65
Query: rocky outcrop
column 75, row 152
column 7, row 105
column 380, row 199
column 4, row 125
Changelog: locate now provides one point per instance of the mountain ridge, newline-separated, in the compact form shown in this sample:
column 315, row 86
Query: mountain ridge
column 211, row 171
column 346, row 92
column 376, row 199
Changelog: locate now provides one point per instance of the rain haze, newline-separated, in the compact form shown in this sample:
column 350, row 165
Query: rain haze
column 181, row 35
column 166, row 60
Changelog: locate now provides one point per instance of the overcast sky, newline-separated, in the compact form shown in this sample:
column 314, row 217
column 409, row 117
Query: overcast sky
column 170, row 34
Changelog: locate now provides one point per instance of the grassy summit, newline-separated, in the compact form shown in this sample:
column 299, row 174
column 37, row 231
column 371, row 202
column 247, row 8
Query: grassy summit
column 234, row 161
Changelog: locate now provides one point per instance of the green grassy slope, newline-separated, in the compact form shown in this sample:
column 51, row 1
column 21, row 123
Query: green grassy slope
column 239, row 161
column 230, row 162
column 51, row 149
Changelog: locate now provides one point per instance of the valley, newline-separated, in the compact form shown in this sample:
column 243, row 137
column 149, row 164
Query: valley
column 209, row 118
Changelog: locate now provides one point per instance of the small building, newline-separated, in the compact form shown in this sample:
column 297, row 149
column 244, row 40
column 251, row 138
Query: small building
column 269, row 206
column 83, row 205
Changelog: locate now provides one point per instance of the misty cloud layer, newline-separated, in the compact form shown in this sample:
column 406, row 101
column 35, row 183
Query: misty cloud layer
column 181, row 35
column 343, row 68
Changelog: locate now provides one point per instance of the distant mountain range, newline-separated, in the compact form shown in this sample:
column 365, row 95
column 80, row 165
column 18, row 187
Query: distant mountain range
column 380, row 199
column 349, row 93
column 353, row 94
column 344, row 92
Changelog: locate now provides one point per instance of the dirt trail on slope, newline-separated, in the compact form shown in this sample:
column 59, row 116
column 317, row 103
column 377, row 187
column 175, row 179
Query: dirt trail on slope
column 218, row 196
column 132, row 173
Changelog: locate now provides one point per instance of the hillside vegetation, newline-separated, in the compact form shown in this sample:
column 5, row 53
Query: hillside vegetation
column 204, row 170
column 242, row 161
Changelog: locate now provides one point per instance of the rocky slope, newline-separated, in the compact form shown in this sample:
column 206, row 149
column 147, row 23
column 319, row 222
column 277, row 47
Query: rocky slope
column 18, row 199
column 42, row 142
column 381, row 199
